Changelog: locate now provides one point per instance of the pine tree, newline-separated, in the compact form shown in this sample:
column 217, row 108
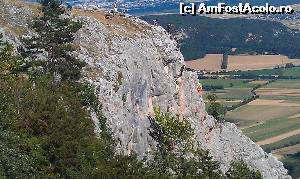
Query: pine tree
column 55, row 35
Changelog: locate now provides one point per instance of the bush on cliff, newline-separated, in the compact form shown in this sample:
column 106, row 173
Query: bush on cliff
column 180, row 156
column 216, row 109
column 239, row 170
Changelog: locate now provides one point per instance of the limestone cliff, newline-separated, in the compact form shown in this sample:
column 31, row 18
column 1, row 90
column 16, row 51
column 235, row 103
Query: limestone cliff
column 136, row 66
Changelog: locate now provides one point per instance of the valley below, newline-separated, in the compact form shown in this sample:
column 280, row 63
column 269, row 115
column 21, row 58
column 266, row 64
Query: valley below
column 272, row 119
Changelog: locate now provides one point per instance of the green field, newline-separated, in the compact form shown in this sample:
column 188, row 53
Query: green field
column 234, row 93
column 231, row 96
column 285, row 84
column 283, row 143
column 262, row 121
column 250, row 114
column 271, row 128
column 227, row 83
column 288, row 72
column 292, row 72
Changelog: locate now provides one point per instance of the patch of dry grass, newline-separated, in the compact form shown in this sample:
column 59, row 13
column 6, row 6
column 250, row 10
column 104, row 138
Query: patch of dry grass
column 255, row 62
column 211, row 62
column 130, row 28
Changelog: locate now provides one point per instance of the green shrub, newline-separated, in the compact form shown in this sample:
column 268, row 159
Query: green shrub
column 239, row 170
column 178, row 154
column 217, row 110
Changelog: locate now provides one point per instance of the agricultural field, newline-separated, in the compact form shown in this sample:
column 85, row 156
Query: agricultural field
column 290, row 145
column 228, row 83
column 272, row 120
column 254, row 62
column 211, row 62
column 285, row 84
column 270, row 131
column 230, row 92
column 233, row 94
column 257, row 115
column 283, row 73
column 276, row 111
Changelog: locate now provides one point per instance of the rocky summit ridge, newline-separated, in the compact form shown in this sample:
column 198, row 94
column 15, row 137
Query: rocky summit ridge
column 135, row 67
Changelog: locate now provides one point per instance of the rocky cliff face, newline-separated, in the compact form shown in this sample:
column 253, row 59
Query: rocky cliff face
column 135, row 67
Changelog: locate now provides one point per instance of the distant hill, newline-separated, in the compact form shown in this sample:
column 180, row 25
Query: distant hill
column 212, row 35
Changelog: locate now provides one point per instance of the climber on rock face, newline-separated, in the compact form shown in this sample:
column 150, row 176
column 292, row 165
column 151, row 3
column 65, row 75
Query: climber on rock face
column 69, row 8
column 115, row 7
column 155, row 22
column 199, row 89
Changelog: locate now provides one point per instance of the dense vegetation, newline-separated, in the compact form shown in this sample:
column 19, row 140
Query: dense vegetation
column 291, row 162
column 46, row 130
column 213, row 35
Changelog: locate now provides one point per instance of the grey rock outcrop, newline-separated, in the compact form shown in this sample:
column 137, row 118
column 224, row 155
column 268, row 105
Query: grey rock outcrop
column 135, row 67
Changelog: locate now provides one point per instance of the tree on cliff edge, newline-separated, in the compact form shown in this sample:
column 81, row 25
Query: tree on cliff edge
column 55, row 34
column 216, row 109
